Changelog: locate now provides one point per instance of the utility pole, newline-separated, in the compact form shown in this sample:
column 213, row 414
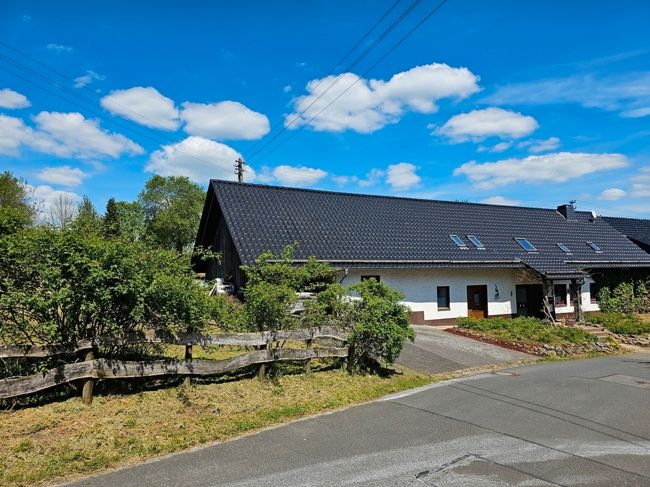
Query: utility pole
column 239, row 169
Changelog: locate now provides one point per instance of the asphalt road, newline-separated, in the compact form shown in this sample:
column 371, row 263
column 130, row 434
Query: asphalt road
column 436, row 351
column 582, row 422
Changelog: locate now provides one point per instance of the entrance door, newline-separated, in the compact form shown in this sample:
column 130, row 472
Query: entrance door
column 529, row 300
column 477, row 301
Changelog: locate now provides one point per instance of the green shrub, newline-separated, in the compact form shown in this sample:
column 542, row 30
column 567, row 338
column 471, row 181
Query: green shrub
column 525, row 329
column 626, row 297
column 381, row 325
column 267, row 306
column 620, row 323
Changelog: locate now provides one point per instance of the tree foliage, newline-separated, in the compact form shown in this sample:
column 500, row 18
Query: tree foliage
column 172, row 208
column 63, row 285
column 626, row 297
column 16, row 207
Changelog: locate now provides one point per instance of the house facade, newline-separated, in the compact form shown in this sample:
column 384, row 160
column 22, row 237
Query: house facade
column 449, row 259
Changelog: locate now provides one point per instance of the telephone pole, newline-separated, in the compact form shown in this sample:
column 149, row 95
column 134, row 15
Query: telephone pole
column 239, row 169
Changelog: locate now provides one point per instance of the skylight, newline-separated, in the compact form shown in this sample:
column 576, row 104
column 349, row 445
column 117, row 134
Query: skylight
column 526, row 245
column 476, row 242
column 564, row 248
column 594, row 246
column 458, row 241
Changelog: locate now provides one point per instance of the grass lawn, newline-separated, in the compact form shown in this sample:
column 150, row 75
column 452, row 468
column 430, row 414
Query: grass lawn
column 526, row 331
column 64, row 439
column 621, row 323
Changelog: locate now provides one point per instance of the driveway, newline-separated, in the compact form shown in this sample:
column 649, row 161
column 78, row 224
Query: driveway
column 436, row 351
column 577, row 423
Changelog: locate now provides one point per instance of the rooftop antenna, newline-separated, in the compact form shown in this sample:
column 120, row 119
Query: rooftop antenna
column 573, row 203
column 239, row 169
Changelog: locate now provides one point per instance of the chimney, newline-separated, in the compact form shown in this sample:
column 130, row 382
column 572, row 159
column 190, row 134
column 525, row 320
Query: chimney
column 568, row 212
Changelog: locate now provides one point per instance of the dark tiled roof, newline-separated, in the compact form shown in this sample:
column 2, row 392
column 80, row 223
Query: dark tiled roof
column 635, row 229
column 378, row 231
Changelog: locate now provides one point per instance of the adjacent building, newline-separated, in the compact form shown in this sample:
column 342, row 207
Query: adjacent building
column 449, row 259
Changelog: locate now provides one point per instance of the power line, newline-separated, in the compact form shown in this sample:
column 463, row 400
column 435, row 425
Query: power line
column 374, row 44
column 395, row 46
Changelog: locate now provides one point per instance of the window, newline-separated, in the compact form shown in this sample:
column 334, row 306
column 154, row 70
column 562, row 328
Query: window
column 593, row 292
column 559, row 291
column 365, row 278
column 594, row 246
column 526, row 245
column 458, row 241
column 564, row 248
column 476, row 242
column 443, row 297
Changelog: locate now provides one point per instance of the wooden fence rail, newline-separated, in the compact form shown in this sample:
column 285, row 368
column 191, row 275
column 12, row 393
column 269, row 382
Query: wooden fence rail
column 104, row 369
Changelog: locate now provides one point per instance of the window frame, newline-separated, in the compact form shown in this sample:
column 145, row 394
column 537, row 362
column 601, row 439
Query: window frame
column 475, row 240
column 563, row 301
column 594, row 246
column 519, row 241
column 564, row 248
column 460, row 243
column 448, row 298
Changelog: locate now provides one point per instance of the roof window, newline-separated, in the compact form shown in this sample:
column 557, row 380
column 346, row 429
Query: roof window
column 459, row 242
column 594, row 246
column 564, row 248
column 476, row 242
column 526, row 245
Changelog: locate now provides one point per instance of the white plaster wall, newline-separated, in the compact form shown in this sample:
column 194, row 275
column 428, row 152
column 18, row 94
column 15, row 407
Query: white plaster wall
column 419, row 287
column 585, row 298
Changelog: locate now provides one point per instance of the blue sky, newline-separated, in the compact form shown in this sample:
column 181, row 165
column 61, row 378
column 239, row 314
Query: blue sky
column 533, row 103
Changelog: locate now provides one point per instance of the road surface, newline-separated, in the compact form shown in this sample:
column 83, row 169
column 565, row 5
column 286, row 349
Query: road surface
column 584, row 422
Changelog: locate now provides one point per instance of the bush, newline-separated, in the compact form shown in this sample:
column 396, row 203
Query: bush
column 526, row 329
column 380, row 325
column 267, row 306
column 62, row 285
column 625, row 298
column 620, row 323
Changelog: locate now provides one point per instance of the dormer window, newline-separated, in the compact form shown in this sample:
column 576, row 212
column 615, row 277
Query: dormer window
column 594, row 246
column 459, row 242
column 564, row 248
column 525, row 244
column 476, row 242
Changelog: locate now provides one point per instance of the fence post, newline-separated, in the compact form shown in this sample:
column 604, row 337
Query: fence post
column 261, row 373
column 87, row 391
column 308, row 362
column 188, row 356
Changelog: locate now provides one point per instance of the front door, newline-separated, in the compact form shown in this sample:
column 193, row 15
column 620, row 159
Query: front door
column 529, row 300
column 477, row 301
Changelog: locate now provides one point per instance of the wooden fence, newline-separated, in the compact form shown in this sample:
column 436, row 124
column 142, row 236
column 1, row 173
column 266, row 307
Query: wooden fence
column 93, row 369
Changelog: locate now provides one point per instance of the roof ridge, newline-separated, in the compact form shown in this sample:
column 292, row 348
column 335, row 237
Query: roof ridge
column 366, row 195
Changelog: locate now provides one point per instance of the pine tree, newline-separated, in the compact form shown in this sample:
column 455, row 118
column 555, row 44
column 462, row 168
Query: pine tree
column 111, row 220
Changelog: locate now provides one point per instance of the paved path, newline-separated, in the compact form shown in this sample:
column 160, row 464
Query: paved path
column 437, row 351
column 572, row 423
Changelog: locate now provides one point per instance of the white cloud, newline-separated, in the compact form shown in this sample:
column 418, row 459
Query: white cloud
column 63, row 175
column 86, row 79
column 545, row 145
column 402, row 176
column 612, row 194
column 298, row 175
column 59, row 48
column 63, row 135
column 372, row 178
column 500, row 147
column 500, row 200
column 13, row 99
column 46, row 199
column 641, row 184
column 489, row 122
column 72, row 135
column 145, row 106
column 628, row 93
column 197, row 158
column 287, row 88
column 552, row 168
column 368, row 105
column 224, row 120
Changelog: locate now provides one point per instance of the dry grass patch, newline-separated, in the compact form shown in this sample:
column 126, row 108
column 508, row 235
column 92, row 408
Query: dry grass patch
column 66, row 439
